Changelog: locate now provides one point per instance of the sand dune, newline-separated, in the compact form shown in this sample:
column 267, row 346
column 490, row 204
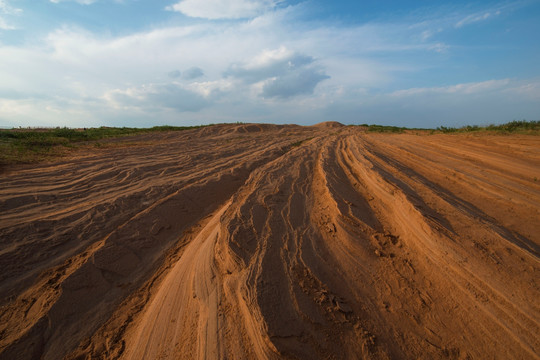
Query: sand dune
column 255, row 241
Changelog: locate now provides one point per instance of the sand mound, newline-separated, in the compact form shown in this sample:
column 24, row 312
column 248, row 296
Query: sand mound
column 328, row 125
column 250, row 241
column 251, row 128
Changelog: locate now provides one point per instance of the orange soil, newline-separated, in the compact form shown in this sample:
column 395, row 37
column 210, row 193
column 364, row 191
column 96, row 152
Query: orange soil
column 233, row 241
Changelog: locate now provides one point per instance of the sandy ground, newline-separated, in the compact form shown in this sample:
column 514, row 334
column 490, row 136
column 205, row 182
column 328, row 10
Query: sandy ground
column 239, row 242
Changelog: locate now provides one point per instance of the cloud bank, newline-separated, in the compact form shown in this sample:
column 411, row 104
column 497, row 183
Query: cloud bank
column 270, row 66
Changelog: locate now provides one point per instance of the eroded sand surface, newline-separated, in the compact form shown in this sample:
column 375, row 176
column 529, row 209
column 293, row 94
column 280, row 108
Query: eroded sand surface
column 240, row 242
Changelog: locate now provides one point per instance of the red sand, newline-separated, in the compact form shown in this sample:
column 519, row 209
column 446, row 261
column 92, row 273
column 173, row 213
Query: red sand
column 233, row 241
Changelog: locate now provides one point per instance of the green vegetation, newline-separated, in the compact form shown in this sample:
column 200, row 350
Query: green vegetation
column 516, row 126
column 31, row 145
column 385, row 129
column 298, row 143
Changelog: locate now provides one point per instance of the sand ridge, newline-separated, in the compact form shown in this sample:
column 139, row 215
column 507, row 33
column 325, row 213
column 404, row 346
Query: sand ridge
column 275, row 241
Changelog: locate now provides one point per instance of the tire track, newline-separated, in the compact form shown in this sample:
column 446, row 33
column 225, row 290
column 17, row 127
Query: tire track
column 276, row 242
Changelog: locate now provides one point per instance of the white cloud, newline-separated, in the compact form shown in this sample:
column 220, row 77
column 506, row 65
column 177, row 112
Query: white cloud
column 291, row 84
column 279, row 73
column 213, row 90
column 529, row 90
column 478, row 17
column 430, row 23
column 427, row 34
column 82, row 2
column 485, row 102
column 269, row 68
column 268, row 63
column 223, row 9
column 439, row 47
column 7, row 10
column 5, row 26
column 259, row 64
column 154, row 97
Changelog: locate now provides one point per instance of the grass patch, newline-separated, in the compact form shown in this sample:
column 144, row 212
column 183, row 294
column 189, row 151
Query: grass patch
column 298, row 143
column 385, row 129
column 28, row 146
column 516, row 126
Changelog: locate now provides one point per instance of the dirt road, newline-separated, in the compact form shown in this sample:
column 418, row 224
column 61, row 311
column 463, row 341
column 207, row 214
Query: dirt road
column 262, row 241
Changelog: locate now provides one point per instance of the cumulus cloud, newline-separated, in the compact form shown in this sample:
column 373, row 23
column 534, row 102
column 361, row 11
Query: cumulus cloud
column 270, row 68
column 281, row 73
column 223, row 9
column 268, row 63
column 301, row 82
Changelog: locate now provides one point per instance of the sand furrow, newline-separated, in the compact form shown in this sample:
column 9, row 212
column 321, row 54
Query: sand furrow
column 275, row 242
column 182, row 316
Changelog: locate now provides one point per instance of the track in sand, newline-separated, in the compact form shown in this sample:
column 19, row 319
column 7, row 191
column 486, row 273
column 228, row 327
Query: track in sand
column 271, row 242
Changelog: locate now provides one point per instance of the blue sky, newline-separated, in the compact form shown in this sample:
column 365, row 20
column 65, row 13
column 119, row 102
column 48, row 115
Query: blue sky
column 425, row 63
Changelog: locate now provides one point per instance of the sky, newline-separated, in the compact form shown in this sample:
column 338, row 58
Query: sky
column 141, row 63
